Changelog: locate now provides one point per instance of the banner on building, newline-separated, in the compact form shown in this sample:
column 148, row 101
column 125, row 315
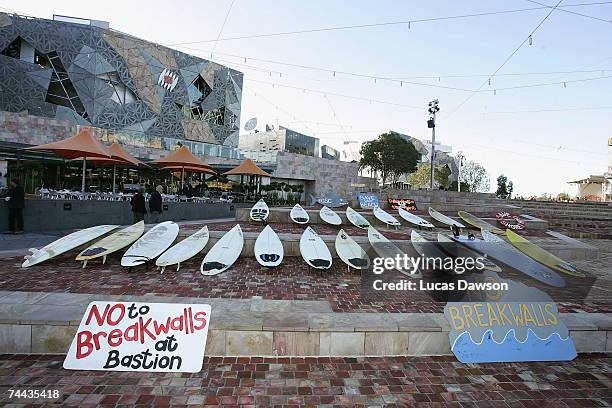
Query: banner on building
column 134, row 336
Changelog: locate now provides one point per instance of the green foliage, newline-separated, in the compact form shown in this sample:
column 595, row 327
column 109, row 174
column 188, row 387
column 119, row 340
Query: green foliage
column 420, row 178
column 475, row 176
column 464, row 186
column 563, row 196
column 389, row 155
column 504, row 187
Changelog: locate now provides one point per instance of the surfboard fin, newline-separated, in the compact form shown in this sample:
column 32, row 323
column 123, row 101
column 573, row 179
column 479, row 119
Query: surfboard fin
column 103, row 259
column 162, row 269
column 178, row 266
column 84, row 263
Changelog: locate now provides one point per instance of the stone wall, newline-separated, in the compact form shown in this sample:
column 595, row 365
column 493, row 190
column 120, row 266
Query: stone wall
column 324, row 176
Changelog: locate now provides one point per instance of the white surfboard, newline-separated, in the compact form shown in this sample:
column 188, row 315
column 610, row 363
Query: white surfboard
column 384, row 217
column 184, row 250
column 151, row 245
column 414, row 219
column 260, row 211
column 111, row 243
column 438, row 216
column 224, row 253
column 65, row 244
column 387, row 249
column 350, row 252
column 299, row 215
column 490, row 237
column 314, row 251
column 329, row 216
column 268, row 248
column 356, row 219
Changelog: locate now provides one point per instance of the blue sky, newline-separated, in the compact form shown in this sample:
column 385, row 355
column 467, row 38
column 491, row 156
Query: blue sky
column 540, row 151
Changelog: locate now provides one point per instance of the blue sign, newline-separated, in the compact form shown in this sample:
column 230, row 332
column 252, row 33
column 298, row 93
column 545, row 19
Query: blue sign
column 521, row 324
column 367, row 201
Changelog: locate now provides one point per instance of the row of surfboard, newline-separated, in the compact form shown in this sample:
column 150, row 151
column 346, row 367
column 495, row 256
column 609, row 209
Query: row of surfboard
column 260, row 212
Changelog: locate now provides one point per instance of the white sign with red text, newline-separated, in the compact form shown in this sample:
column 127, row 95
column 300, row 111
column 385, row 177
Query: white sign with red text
column 134, row 336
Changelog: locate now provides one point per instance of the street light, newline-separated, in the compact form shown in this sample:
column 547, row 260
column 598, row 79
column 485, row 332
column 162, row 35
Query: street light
column 431, row 123
column 460, row 158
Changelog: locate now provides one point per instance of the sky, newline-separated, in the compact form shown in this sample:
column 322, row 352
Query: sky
column 550, row 128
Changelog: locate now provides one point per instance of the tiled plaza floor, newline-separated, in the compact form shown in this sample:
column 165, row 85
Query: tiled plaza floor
column 323, row 381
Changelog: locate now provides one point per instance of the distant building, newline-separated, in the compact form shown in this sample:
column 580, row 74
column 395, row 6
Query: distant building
column 328, row 152
column 596, row 187
column 350, row 151
column 262, row 146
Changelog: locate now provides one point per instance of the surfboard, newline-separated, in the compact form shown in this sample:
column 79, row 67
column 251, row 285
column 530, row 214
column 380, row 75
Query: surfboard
column 299, row 215
column 314, row 251
column 438, row 216
column 460, row 251
column 541, row 255
column 479, row 223
column 509, row 220
column 224, row 253
column 332, row 200
column 350, row 252
column 505, row 253
column 429, row 250
column 356, row 219
column 260, row 211
column 490, row 237
column 329, row 216
column 414, row 219
column 111, row 243
column 384, row 217
column 65, row 244
column 268, row 248
column 184, row 250
column 151, row 245
column 387, row 249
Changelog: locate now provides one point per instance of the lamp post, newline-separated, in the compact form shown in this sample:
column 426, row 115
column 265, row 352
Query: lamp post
column 431, row 123
column 460, row 158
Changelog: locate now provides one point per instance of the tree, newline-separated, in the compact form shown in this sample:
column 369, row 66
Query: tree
column 475, row 176
column 389, row 155
column 504, row 187
column 563, row 196
column 420, row 178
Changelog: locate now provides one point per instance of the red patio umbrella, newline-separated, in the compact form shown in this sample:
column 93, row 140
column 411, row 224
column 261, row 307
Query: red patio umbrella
column 183, row 159
column 83, row 145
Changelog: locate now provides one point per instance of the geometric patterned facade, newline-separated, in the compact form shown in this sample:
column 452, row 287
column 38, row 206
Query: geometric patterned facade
column 98, row 77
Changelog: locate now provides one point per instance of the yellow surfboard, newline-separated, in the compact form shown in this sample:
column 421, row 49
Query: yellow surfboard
column 112, row 243
column 479, row 223
column 541, row 255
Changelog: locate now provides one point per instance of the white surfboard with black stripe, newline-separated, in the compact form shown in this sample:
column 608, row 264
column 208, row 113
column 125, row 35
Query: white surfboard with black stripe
column 268, row 248
column 314, row 251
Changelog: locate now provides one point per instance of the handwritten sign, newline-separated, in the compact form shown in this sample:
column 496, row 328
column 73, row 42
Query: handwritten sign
column 367, row 201
column 332, row 200
column 407, row 204
column 132, row 336
column 520, row 324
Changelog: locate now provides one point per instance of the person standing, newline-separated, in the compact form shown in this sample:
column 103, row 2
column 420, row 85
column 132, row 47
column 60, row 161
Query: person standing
column 16, row 203
column 155, row 204
column 138, row 206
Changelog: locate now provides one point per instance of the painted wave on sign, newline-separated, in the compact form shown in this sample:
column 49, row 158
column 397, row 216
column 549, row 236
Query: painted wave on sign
column 533, row 348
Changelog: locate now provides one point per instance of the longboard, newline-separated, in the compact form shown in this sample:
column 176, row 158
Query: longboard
column 438, row 216
column 151, row 245
column 224, row 253
column 329, row 216
column 384, row 217
column 111, row 243
column 260, row 211
column 268, row 248
column 387, row 249
column 414, row 219
column 429, row 250
column 314, row 251
column 506, row 254
column 541, row 255
column 457, row 250
column 350, row 252
column 356, row 219
column 299, row 215
column 184, row 250
column 65, row 244
column 479, row 223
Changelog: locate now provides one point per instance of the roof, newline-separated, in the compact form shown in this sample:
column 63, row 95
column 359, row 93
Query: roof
column 591, row 179
column 83, row 144
column 182, row 158
column 118, row 152
column 195, row 169
column 248, row 168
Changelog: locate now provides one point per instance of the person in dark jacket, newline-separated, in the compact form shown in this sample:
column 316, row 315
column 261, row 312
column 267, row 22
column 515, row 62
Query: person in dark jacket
column 16, row 203
column 138, row 206
column 155, row 204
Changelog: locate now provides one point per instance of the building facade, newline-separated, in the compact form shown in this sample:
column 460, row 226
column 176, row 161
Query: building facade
column 263, row 146
column 84, row 72
column 328, row 152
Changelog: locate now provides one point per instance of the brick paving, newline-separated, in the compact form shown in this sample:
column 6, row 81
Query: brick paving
column 323, row 381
